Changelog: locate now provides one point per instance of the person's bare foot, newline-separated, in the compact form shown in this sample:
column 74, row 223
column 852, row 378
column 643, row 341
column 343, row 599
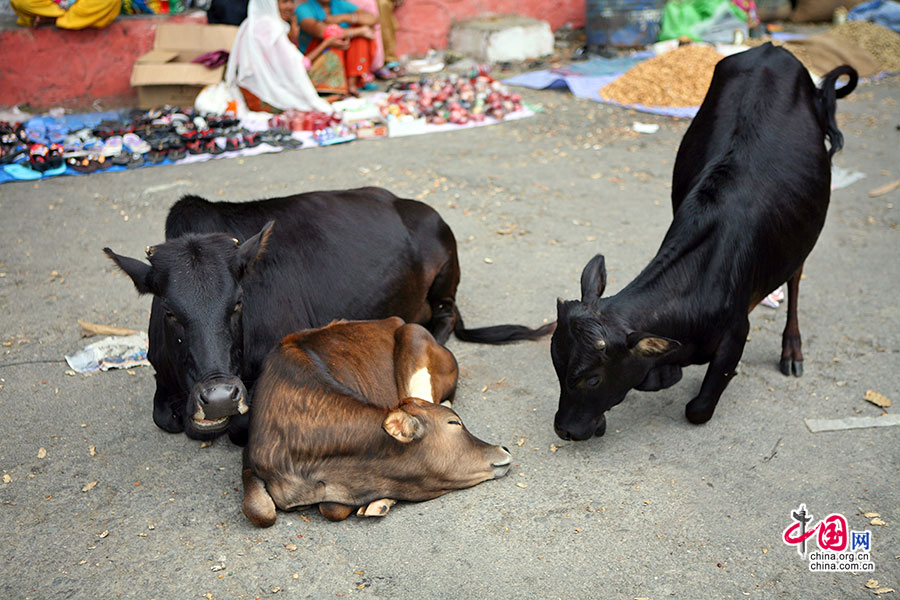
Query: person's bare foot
column 353, row 87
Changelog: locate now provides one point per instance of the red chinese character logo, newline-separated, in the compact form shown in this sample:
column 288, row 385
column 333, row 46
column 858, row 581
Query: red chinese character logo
column 833, row 533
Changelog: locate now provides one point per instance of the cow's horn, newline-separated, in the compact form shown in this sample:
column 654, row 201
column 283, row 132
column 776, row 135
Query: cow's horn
column 235, row 240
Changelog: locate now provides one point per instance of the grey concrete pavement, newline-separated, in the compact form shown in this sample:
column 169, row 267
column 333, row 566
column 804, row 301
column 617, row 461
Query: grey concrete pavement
column 658, row 508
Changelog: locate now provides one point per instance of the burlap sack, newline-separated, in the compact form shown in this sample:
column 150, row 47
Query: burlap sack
column 819, row 10
column 823, row 52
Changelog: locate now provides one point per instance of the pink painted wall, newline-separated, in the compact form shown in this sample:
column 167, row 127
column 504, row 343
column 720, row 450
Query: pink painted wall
column 425, row 24
column 48, row 67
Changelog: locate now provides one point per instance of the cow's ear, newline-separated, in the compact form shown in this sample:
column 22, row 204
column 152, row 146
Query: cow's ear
column 649, row 345
column 403, row 426
column 137, row 270
column 250, row 251
column 593, row 279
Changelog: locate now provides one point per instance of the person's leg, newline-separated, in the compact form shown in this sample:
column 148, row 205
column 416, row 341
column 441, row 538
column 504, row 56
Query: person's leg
column 357, row 63
column 31, row 13
column 388, row 30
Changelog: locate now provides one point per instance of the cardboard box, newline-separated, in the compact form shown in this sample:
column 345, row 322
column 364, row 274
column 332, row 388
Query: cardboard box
column 166, row 75
column 366, row 130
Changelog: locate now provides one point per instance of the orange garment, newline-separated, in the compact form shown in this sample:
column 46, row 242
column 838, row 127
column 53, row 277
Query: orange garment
column 357, row 59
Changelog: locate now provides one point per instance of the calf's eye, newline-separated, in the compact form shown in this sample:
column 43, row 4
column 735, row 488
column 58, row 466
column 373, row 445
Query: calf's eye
column 454, row 422
column 593, row 382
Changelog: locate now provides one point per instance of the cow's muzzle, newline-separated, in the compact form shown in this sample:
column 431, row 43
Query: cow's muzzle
column 580, row 431
column 215, row 400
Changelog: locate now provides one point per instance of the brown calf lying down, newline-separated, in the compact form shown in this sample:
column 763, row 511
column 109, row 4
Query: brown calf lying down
column 349, row 416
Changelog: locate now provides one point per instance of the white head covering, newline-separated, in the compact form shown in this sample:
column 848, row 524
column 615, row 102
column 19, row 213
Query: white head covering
column 264, row 61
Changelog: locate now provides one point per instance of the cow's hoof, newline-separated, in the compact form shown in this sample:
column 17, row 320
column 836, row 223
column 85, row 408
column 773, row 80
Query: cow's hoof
column 334, row 511
column 379, row 508
column 791, row 367
column 698, row 412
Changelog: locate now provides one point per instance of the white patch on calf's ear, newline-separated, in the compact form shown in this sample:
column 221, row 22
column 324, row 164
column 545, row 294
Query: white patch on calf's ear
column 402, row 426
column 419, row 385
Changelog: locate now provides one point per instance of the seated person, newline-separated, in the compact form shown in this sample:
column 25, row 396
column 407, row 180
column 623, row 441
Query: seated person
column 317, row 18
column 325, row 69
column 267, row 67
column 80, row 15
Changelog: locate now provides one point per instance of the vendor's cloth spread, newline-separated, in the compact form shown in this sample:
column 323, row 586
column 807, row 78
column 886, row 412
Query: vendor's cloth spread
column 265, row 62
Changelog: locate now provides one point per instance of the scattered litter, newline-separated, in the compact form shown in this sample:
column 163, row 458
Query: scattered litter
column 218, row 567
column 554, row 447
column 886, row 188
column 878, row 521
column 113, row 352
column 90, row 486
column 42, row 452
column 841, row 178
column 522, row 485
column 290, row 547
column 877, row 399
column 819, row 425
column 88, row 329
column 883, row 590
column 869, row 515
column 645, row 127
column 489, row 260
column 6, row 478
column 103, row 534
column 872, row 584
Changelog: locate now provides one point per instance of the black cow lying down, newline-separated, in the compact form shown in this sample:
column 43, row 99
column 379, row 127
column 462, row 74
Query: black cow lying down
column 232, row 279
column 750, row 191
column 350, row 415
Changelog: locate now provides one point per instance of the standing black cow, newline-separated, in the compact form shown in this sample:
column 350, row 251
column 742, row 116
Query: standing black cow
column 232, row 279
column 750, row 191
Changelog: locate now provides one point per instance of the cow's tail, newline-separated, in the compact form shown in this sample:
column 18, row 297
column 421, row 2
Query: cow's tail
column 827, row 96
column 498, row 334
column 258, row 505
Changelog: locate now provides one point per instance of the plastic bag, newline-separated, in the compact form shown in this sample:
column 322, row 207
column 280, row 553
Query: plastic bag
column 687, row 18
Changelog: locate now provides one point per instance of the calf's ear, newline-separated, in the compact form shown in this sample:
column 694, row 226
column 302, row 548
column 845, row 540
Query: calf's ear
column 593, row 278
column 138, row 271
column 250, row 251
column 649, row 345
column 403, row 426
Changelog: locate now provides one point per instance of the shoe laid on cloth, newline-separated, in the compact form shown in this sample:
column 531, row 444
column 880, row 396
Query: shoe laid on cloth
column 134, row 144
column 21, row 172
column 136, row 160
column 113, row 145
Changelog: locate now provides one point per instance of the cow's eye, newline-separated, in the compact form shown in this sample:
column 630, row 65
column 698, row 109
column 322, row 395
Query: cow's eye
column 592, row 382
column 454, row 422
column 171, row 316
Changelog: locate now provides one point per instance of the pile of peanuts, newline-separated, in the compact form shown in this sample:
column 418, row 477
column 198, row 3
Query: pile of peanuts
column 880, row 42
column 679, row 77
